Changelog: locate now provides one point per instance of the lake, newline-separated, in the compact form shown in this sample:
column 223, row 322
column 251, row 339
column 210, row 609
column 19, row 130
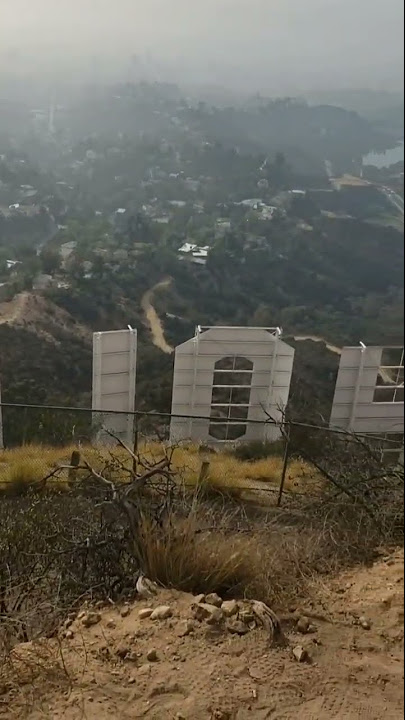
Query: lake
column 387, row 158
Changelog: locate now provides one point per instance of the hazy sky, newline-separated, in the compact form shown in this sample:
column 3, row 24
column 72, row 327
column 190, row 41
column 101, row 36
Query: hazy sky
column 267, row 44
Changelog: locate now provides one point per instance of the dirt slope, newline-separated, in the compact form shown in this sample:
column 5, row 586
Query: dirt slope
column 211, row 674
column 153, row 320
column 33, row 312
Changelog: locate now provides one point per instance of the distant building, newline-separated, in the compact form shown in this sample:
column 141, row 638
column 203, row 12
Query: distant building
column 252, row 203
column 225, row 377
column 12, row 264
column 194, row 253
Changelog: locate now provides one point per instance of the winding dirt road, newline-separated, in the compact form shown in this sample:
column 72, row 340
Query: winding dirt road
column 152, row 318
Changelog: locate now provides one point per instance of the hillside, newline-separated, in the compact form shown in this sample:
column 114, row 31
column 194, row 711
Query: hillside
column 45, row 353
column 155, row 210
column 128, row 667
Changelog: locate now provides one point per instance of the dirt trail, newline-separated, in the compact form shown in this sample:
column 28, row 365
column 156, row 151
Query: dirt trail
column 127, row 667
column 14, row 310
column 153, row 319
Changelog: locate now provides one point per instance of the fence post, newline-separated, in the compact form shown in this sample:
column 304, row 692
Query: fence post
column 136, row 444
column 287, row 451
column 73, row 470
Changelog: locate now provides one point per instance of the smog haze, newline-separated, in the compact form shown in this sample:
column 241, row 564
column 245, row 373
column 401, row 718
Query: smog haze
column 273, row 46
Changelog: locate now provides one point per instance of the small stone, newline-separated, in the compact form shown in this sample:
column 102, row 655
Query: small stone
column 365, row 624
column 145, row 613
column 152, row 656
column 185, row 628
column 111, row 624
column 144, row 669
column 91, row 618
column 132, row 656
column 132, row 680
column 213, row 599
column 125, row 611
column 300, row 654
column 211, row 614
column 69, row 634
column 229, row 608
column 237, row 627
column 199, row 599
column 122, row 651
column 163, row 612
column 303, row 625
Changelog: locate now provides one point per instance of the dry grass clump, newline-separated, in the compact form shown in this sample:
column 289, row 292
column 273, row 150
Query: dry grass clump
column 261, row 564
column 25, row 467
column 228, row 473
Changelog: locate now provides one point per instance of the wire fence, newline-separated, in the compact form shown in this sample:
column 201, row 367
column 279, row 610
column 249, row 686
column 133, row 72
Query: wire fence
column 39, row 438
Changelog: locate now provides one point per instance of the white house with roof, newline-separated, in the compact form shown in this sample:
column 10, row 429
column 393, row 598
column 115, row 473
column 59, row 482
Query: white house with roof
column 197, row 255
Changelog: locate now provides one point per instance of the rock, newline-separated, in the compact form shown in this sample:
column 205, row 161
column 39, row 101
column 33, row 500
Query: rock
column 210, row 613
column 199, row 599
column 303, row 625
column 230, row 608
column 152, row 656
column 237, row 627
column 91, row 618
column 69, row 634
column 166, row 688
column 163, row 612
column 132, row 656
column 145, row 613
column 144, row 669
column 185, row 628
column 111, row 624
column 213, row 599
column 125, row 611
column 146, row 588
column 122, row 651
column 300, row 654
column 364, row 623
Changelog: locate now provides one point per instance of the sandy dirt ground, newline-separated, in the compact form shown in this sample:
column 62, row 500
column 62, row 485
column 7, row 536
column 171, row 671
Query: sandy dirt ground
column 181, row 669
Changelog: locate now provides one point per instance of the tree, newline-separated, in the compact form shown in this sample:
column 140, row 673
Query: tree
column 51, row 260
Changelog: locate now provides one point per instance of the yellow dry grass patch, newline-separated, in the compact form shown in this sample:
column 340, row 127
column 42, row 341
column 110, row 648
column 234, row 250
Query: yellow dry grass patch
column 31, row 463
column 352, row 180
